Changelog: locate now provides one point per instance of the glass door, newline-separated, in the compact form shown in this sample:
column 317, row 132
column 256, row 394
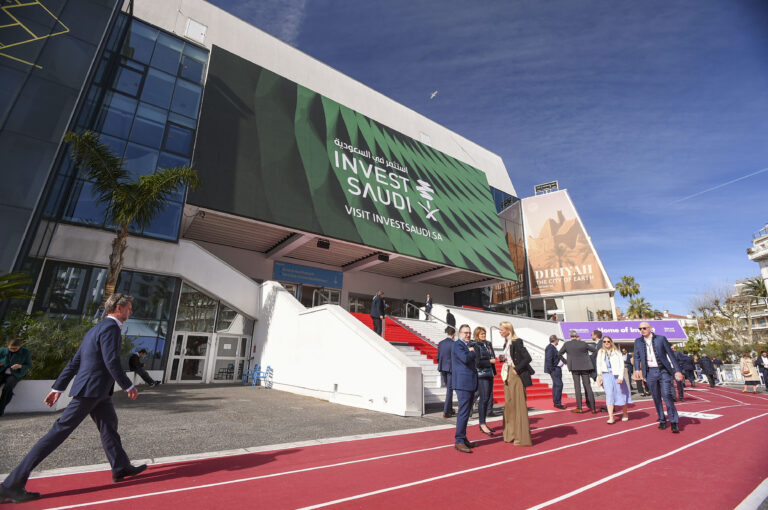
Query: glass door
column 325, row 296
column 229, row 362
column 189, row 353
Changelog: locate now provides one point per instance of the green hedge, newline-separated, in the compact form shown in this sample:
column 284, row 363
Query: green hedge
column 52, row 340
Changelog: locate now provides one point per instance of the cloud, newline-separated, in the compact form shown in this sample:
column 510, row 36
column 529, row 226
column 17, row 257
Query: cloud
column 280, row 18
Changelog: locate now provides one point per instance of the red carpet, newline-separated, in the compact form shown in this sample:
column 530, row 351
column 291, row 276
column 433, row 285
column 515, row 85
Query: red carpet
column 573, row 457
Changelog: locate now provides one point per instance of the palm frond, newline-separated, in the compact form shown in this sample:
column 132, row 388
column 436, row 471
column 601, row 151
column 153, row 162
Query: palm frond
column 97, row 162
column 14, row 286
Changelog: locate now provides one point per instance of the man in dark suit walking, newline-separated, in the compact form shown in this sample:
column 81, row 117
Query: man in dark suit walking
column 450, row 319
column 464, row 383
column 579, row 363
column 428, row 306
column 659, row 364
column 708, row 369
column 444, row 353
column 553, row 363
column 95, row 367
column 377, row 311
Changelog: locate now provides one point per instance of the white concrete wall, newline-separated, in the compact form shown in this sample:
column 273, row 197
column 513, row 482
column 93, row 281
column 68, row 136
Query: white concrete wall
column 184, row 259
column 28, row 397
column 237, row 36
column 326, row 353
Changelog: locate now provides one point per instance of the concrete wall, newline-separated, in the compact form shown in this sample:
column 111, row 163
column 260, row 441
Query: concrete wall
column 326, row 353
column 186, row 260
column 237, row 36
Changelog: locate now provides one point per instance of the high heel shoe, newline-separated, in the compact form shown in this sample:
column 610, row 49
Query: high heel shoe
column 489, row 432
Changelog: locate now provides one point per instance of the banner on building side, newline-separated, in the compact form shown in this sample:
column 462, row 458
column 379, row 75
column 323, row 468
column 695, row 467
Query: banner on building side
column 512, row 222
column 276, row 151
column 561, row 258
column 623, row 330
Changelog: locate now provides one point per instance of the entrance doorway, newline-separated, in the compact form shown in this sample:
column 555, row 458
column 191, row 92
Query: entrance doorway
column 189, row 352
column 207, row 357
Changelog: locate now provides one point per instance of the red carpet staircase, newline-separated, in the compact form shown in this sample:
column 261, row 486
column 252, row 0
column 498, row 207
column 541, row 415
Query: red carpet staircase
column 395, row 333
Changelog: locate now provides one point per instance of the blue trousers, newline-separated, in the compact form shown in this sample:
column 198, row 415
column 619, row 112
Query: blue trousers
column 103, row 414
column 660, row 385
column 448, row 383
column 485, row 389
column 557, row 386
column 465, row 407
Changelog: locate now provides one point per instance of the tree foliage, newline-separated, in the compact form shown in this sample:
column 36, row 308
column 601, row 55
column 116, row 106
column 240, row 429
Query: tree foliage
column 628, row 287
column 128, row 202
column 639, row 308
column 14, row 286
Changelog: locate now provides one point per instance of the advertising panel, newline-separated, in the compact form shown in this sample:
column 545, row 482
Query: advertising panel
column 284, row 154
column 560, row 256
column 623, row 330
column 295, row 273
column 512, row 221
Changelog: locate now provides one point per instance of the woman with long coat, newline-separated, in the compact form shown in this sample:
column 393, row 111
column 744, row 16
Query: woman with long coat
column 516, row 374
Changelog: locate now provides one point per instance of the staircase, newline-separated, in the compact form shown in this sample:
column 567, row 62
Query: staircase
column 415, row 347
column 434, row 332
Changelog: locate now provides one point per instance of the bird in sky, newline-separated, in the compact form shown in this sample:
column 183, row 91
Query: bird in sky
column 433, row 95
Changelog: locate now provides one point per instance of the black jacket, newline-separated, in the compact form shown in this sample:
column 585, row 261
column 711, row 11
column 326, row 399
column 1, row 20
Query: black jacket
column 483, row 355
column 134, row 362
column 521, row 359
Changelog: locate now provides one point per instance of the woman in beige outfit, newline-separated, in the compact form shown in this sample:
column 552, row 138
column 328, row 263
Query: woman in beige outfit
column 749, row 371
column 516, row 374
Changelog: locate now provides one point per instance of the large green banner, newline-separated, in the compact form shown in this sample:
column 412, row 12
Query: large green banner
column 275, row 151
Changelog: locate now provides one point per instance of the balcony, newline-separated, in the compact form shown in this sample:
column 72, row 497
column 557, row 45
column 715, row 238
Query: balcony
column 758, row 252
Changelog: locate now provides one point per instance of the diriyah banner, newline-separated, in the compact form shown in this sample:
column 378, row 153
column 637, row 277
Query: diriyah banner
column 273, row 150
column 560, row 256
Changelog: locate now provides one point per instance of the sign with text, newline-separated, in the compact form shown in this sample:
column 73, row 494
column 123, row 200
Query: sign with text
column 623, row 330
column 295, row 273
column 561, row 257
column 281, row 153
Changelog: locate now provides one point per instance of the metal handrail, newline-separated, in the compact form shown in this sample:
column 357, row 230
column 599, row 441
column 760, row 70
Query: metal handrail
column 428, row 313
column 400, row 323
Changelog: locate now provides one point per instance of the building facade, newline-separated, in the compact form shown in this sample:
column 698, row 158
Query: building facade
column 310, row 179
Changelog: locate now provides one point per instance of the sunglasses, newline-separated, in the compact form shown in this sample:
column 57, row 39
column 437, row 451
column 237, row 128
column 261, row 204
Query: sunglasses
column 606, row 341
column 641, row 329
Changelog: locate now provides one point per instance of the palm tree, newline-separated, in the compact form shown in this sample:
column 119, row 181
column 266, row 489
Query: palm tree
column 628, row 287
column 127, row 201
column 756, row 287
column 639, row 308
column 14, row 285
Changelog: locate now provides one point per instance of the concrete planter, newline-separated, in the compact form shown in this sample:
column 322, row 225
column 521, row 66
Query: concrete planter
column 28, row 397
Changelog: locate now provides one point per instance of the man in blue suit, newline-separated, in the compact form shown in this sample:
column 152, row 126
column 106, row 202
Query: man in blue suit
column 444, row 354
column 553, row 363
column 659, row 364
column 95, row 367
column 377, row 312
column 464, row 383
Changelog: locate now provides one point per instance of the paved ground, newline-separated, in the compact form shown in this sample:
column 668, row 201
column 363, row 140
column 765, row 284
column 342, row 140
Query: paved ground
column 172, row 420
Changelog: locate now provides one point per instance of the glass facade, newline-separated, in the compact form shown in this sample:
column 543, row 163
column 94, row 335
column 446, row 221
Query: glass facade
column 501, row 199
column 144, row 103
column 77, row 289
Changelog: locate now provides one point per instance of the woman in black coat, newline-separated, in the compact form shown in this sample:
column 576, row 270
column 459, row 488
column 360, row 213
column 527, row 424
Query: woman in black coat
column 485, row 361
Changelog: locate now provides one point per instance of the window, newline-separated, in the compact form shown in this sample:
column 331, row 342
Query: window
column 167, row 54
column 149, row 125
column 158, row 88
column 179, row 139
column 140, row 42
column 186, row 98
column 140, row 160
column 116, row 115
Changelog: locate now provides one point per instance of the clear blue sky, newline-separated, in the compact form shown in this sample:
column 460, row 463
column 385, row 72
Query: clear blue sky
column 639, row 109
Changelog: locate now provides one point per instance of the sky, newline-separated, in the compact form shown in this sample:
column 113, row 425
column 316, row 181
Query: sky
column 653, row 114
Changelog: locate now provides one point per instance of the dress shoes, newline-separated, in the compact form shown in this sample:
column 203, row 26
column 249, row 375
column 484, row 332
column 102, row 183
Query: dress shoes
column 594, row 411
column 662, row 425
column 487, row 433
column 469, row 444
column 560, row 406
column 131, row 471
column 17, row 495
column 675, row 430
column 462, row 448
column 577, row 410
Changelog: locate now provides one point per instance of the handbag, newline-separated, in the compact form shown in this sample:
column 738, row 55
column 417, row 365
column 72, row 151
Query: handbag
column 746, row 372
column 484, row 373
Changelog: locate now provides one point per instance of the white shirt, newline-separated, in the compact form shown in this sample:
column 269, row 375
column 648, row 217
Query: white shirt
column 765, row 361
column 650, row 356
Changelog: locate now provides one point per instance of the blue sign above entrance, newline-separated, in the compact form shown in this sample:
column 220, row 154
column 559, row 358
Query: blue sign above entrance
column 295, row 273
